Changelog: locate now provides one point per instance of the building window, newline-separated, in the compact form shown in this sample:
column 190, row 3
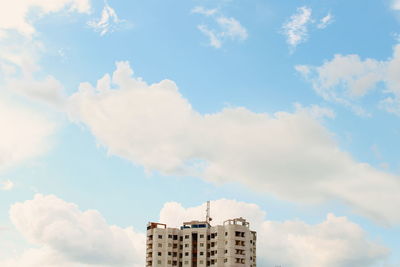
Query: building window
column 159, row 253
column 159, row 236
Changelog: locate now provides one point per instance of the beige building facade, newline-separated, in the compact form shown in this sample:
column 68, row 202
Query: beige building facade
column 198, row 244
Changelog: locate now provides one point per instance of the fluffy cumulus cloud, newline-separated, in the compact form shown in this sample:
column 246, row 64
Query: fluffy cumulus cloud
column 108, row 22
column 24, row 133
column 15, row 15
column 347, row 78
column 66, row 236
column 289, row 155
column 227, row 28
column 335, row 242
column 296, row 29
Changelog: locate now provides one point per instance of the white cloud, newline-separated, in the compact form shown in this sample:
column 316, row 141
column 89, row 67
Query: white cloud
column 289, row 155
column 24, row 133
column 357, row 77
column 335, row 242
column 212, row 36
column 296, row 29
column 203, row 11
column 108, row 22
column 67, row 236
column 49, row 90
column 6, row 185
column 228, row 28
column 20, row 71
column 20, row 54
column 232, row 28
column 325, row 21
column 15, row 14
column 346, row 79
column 20, row 51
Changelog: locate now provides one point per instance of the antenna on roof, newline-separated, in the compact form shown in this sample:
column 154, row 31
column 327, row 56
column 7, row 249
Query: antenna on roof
column 208, row 218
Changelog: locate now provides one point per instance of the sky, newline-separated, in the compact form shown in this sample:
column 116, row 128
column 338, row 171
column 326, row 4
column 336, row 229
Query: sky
column 117, row 113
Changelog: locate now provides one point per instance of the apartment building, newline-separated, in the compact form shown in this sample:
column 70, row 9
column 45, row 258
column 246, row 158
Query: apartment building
column 198, row 244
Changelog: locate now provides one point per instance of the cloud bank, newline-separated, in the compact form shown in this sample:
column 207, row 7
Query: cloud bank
column 67, row 236
column 289, row 155
column 335, row 242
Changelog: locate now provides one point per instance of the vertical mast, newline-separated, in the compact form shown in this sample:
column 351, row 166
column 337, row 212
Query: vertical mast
column 208, row 218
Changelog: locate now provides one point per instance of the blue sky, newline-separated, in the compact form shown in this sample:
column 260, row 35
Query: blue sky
column 118, row 113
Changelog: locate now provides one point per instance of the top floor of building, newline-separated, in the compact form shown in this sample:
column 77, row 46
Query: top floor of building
column 237, row 227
